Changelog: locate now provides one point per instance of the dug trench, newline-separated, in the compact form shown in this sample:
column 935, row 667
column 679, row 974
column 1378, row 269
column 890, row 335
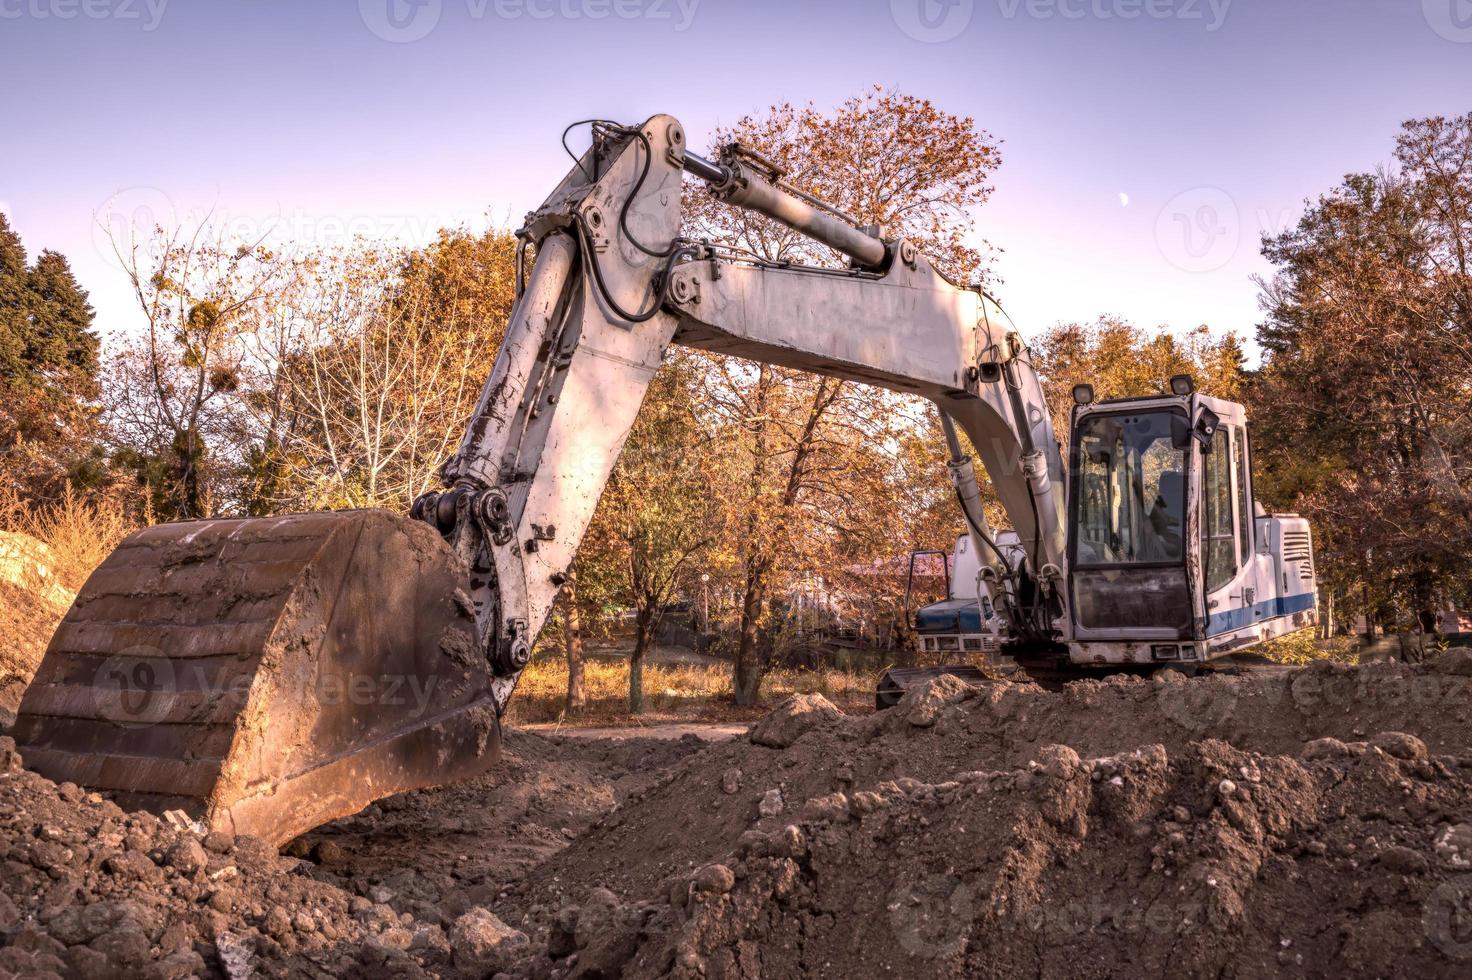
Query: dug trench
column 1310, row 823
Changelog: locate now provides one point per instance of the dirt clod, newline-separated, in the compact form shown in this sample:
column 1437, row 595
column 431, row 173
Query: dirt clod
column 482, row 942
column 795, row 717
column 1400, row 745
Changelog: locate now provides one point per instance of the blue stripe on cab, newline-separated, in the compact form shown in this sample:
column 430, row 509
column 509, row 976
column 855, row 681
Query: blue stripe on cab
column 1235, row 619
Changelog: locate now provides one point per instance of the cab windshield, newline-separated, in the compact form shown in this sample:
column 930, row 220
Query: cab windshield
column 1130, row 489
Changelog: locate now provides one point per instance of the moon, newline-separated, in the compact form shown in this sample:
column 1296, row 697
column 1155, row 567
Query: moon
column 1124, row 199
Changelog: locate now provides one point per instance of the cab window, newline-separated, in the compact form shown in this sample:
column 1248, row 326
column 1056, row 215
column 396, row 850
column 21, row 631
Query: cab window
column 1218, row 537
column 1130, row 492
column 1244, row 495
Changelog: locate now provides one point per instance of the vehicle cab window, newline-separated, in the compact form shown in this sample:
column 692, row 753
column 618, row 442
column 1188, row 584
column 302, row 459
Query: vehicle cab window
column 1218, row 536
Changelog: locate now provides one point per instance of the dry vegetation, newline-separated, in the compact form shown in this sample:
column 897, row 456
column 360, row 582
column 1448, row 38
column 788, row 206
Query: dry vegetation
column 673, row 692
column 1304, row 647
column 78, row 532
column 46, row 554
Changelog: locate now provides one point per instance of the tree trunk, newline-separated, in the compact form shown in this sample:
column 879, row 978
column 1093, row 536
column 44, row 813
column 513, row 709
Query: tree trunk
column 1426, row 619
column 577, row 697
column 643, row 642
column 1369, row 617
column 188, row 494
column 749, row 656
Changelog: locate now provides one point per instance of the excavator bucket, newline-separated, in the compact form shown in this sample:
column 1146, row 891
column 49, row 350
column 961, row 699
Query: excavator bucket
column 266, row 675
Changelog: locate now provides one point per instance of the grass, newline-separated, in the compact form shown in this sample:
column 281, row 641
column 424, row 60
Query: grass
column 75, row 535
column 683, row 692
column 79, row 533
column 1304, row 647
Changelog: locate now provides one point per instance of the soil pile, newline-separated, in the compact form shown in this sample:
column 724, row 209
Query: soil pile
column 438, row 853
column 1315, row 821
column 89, row 890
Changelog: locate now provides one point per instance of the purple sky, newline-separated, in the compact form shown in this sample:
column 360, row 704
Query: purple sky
column 1146, row 143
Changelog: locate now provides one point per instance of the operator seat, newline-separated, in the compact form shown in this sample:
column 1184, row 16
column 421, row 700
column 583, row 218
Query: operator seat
column 1167, row 513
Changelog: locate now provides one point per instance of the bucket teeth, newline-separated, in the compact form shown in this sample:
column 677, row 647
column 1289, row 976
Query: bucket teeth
column 265, row 675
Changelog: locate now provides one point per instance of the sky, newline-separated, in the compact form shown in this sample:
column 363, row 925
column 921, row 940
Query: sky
column 1147, row 144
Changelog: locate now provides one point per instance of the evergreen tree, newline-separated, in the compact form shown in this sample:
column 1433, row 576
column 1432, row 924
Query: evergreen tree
column 14, row 301
column 48, row 370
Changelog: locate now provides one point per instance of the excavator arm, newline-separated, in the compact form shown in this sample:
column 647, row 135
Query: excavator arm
column 267, row 675
column 613, row 285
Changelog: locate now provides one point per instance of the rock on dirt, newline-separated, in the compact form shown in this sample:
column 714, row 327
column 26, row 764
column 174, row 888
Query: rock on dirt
column 794, row 718
column 484, row 944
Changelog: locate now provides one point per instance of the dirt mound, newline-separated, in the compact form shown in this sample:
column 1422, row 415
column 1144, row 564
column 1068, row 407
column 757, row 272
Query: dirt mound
column 438, row 853
column 1235, row 825
column 89, row 890
column 32, row 602
column 1312, row 822
column 1213, row 863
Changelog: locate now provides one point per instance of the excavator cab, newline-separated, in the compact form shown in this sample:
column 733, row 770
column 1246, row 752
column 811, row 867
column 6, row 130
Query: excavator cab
column 1170, row 559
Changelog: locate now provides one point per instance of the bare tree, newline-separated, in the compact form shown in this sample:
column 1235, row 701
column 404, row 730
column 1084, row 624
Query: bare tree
column 171, row 398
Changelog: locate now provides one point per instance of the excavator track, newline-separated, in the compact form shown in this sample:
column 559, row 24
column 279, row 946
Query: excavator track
column 266, row 675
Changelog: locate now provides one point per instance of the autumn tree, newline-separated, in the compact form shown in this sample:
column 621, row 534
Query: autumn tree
column 1362, row 405
column 386, row 355
column 173, row 391
column 48, row 373
column 889, row 160
column 657, row 511
column 1121, row 360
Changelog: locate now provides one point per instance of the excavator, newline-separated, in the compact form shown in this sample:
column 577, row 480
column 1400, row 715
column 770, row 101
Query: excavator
column 267, row 675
